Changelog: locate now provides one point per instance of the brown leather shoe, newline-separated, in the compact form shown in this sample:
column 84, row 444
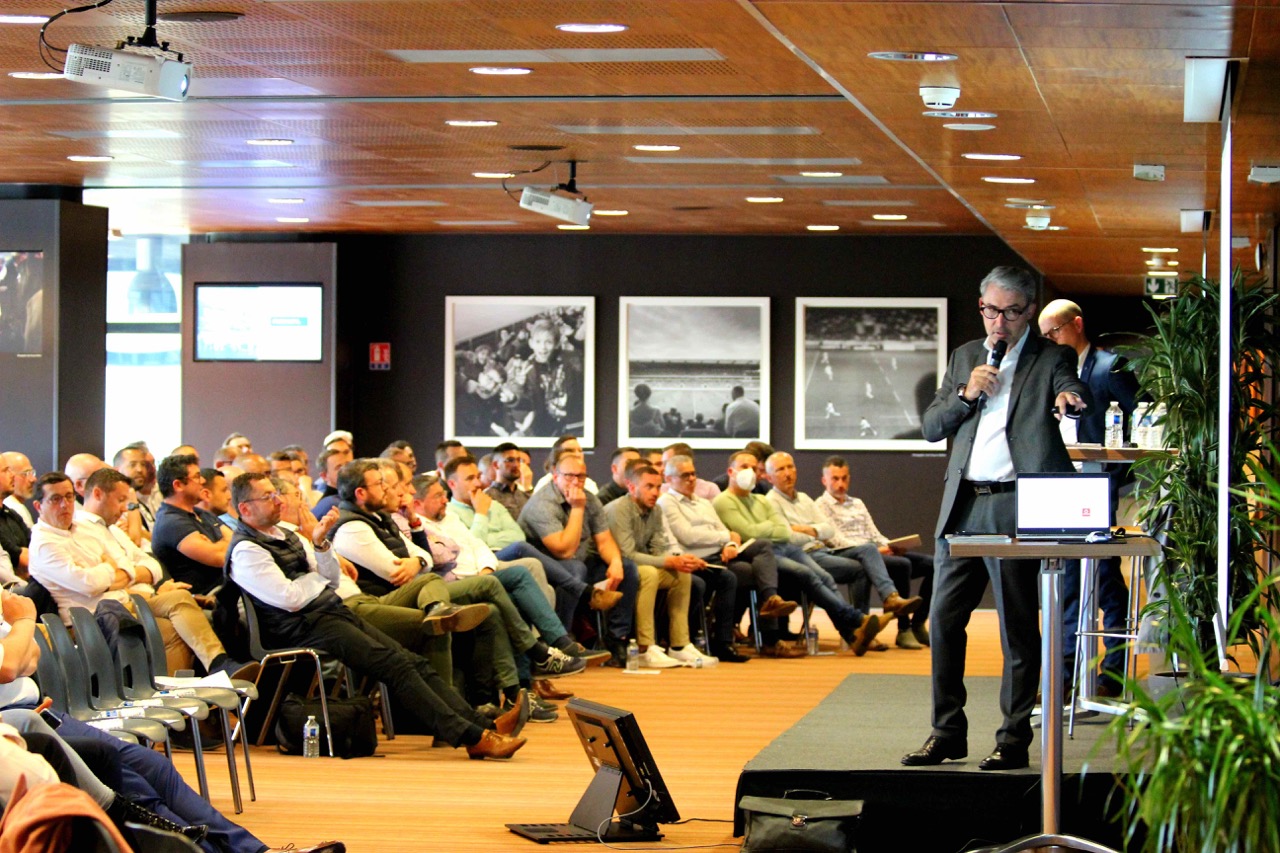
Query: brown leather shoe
column 512, row 720
column 899, row 606
column 603, row 599
column 447, row 618
column 776, row 607
column 865, row 634
column 546, row 688
column 494, row 745
column 783, row 649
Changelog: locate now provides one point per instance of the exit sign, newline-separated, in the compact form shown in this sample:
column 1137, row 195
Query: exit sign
column 1160, row 287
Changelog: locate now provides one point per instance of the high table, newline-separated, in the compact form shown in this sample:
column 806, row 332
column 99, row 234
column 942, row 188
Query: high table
column 1051, row 555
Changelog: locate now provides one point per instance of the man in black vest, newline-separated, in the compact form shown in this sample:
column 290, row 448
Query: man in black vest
column 291, row 583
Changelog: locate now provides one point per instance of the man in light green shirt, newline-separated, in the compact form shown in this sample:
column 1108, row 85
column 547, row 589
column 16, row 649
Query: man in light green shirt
column 752, row 516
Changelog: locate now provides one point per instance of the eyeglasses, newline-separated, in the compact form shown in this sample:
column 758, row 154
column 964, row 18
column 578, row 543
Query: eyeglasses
column 1011, row 313
column 274, row 496
column 1053, row 333
column 687, row 475
column 59, row 500
column 579, row 477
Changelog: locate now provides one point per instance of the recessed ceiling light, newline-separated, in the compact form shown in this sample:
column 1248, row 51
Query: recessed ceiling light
column 889, row 217
column 574, row 227
column 656, row 147
column 822, row 227
column 471, row 122
column 491, row 71
column 1017, row 200
column 591, row 28
column 1170, row 250
column 35, row 75
column 1056, row 228
column 822, row 174
column 998, row 180
column 23, row 19
column 599, row 212
column 958, row 114
column 295, row 219
column 269, row 141
column 764, row 199
column 199, row 17
column 958, row 126
column 1171, row 263
column 285, row 200
column 498, row 175
column 912, row 56
column 992, row 156
column 90, row 158
column 1028, row 206
column 1163, row 274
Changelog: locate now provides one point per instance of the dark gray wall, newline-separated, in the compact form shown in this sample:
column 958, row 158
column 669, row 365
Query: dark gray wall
column 393, row 289
column 53, row 400
column 274, row 403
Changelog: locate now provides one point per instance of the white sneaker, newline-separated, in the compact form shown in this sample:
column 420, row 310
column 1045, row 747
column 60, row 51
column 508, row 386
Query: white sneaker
column 691, row 654
column 655, row 658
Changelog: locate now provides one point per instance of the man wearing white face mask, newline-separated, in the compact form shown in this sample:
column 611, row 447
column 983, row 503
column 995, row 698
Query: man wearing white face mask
column 752, row 516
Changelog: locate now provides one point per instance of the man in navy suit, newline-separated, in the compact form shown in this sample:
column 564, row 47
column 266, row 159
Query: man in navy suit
column 1002, row 419
column 1110, row 381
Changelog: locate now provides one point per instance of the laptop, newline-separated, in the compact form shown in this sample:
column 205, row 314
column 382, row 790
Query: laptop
column 1063, row 507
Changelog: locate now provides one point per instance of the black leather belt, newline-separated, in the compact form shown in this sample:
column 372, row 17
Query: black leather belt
column 995, row 488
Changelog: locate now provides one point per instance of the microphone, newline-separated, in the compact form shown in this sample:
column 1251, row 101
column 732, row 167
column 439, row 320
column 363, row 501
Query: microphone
column 994, row 358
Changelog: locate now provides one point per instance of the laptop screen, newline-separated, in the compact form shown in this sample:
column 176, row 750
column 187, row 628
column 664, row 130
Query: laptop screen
column 1063, row 505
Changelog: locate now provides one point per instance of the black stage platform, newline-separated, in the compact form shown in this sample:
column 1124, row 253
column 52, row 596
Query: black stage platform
column 850, row 745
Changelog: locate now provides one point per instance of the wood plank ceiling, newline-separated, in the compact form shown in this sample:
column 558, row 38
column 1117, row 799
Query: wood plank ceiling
column 754, row 95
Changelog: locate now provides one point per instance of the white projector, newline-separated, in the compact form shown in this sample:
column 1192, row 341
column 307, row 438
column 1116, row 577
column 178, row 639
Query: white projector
column 134, row 72
column 547, row 203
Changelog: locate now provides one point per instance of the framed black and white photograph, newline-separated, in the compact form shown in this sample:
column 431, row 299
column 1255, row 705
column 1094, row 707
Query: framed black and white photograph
column 693, row 368
column 866, row 369
column 519, row 368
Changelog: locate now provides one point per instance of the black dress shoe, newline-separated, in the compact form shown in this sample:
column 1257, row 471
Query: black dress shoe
column 936, row 750
column 1005, row 757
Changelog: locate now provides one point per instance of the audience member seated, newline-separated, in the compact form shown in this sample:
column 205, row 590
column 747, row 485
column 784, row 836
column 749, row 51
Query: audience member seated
column 564, row 444
column 292, row 582
column 78, row 468
column 82, row 558
column 508, row 472
column 330, row 462
column 225, row 456
column 136, row 462
column 853, row 528
column 752, row 516
column 617, row 486
column 15, row 535
column 401, row 451
column 701, row 488
column 641, row 538
column 696, row 529
column 446, row 450
column 565, row 520
column 19, row 491
column 810, row 530
column 761, row 452
column 188, row 541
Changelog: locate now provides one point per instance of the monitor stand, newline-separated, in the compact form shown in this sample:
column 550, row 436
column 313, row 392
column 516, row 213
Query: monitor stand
column 593, row 812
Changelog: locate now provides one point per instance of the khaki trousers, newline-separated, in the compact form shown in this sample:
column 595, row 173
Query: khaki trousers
column 677, row 585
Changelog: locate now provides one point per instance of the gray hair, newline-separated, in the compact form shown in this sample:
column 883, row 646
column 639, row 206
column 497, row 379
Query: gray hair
column 1013, row 279
column 673, row 464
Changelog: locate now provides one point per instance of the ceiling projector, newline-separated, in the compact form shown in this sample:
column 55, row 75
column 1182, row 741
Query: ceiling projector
column 143, row 73
column 547, row 203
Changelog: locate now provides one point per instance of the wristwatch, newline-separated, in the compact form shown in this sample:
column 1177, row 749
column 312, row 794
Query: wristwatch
column 963, row 398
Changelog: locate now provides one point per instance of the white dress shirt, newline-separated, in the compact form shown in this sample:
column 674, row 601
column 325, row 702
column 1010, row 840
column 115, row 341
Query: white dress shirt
column 473, row 554
column 117, row 543
column 255, row 570
column 72, row 567
column 990, row 460
column 359, row 543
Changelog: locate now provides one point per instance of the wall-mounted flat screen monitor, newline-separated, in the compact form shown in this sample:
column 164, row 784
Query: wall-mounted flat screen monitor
column 21, row 301
column 259, row 321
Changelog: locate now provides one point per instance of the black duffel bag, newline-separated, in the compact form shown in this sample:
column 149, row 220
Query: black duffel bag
column 355, row 734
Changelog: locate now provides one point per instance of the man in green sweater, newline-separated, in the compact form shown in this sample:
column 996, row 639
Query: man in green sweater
column 751, row 516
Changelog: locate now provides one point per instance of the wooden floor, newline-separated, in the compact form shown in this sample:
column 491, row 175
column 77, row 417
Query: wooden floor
column 701, row 725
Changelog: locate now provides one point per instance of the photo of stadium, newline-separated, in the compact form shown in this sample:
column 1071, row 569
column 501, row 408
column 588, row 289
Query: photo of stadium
column 695, row 369
column 866, row 369
column 519, row 368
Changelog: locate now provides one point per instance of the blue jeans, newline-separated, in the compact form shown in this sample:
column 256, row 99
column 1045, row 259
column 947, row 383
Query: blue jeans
column 818, row 584
column 530, row 601
column 621, row 615
column 568, row 585
column 872, row 561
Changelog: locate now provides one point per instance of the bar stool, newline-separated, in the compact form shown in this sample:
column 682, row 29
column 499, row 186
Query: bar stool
column 1084, row 677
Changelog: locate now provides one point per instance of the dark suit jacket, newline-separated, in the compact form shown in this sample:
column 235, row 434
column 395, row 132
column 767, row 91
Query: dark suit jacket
column 1104, row 374
column 1044, row 370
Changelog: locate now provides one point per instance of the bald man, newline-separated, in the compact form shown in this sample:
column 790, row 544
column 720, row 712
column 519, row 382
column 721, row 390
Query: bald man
column 24, row 477
column 79, row 468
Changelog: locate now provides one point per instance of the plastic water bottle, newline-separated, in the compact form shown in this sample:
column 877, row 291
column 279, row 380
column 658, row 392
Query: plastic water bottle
column 811, row 640
column 633, row 656
column 311, row 738
column 1141, row 430
column 1115, row 426
column 1157, row 426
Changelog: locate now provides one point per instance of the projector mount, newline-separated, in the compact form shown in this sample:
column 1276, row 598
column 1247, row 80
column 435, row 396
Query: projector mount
column 146, row 41
column 570, row 187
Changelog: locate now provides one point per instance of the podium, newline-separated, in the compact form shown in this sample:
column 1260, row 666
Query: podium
column 1051, row 555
